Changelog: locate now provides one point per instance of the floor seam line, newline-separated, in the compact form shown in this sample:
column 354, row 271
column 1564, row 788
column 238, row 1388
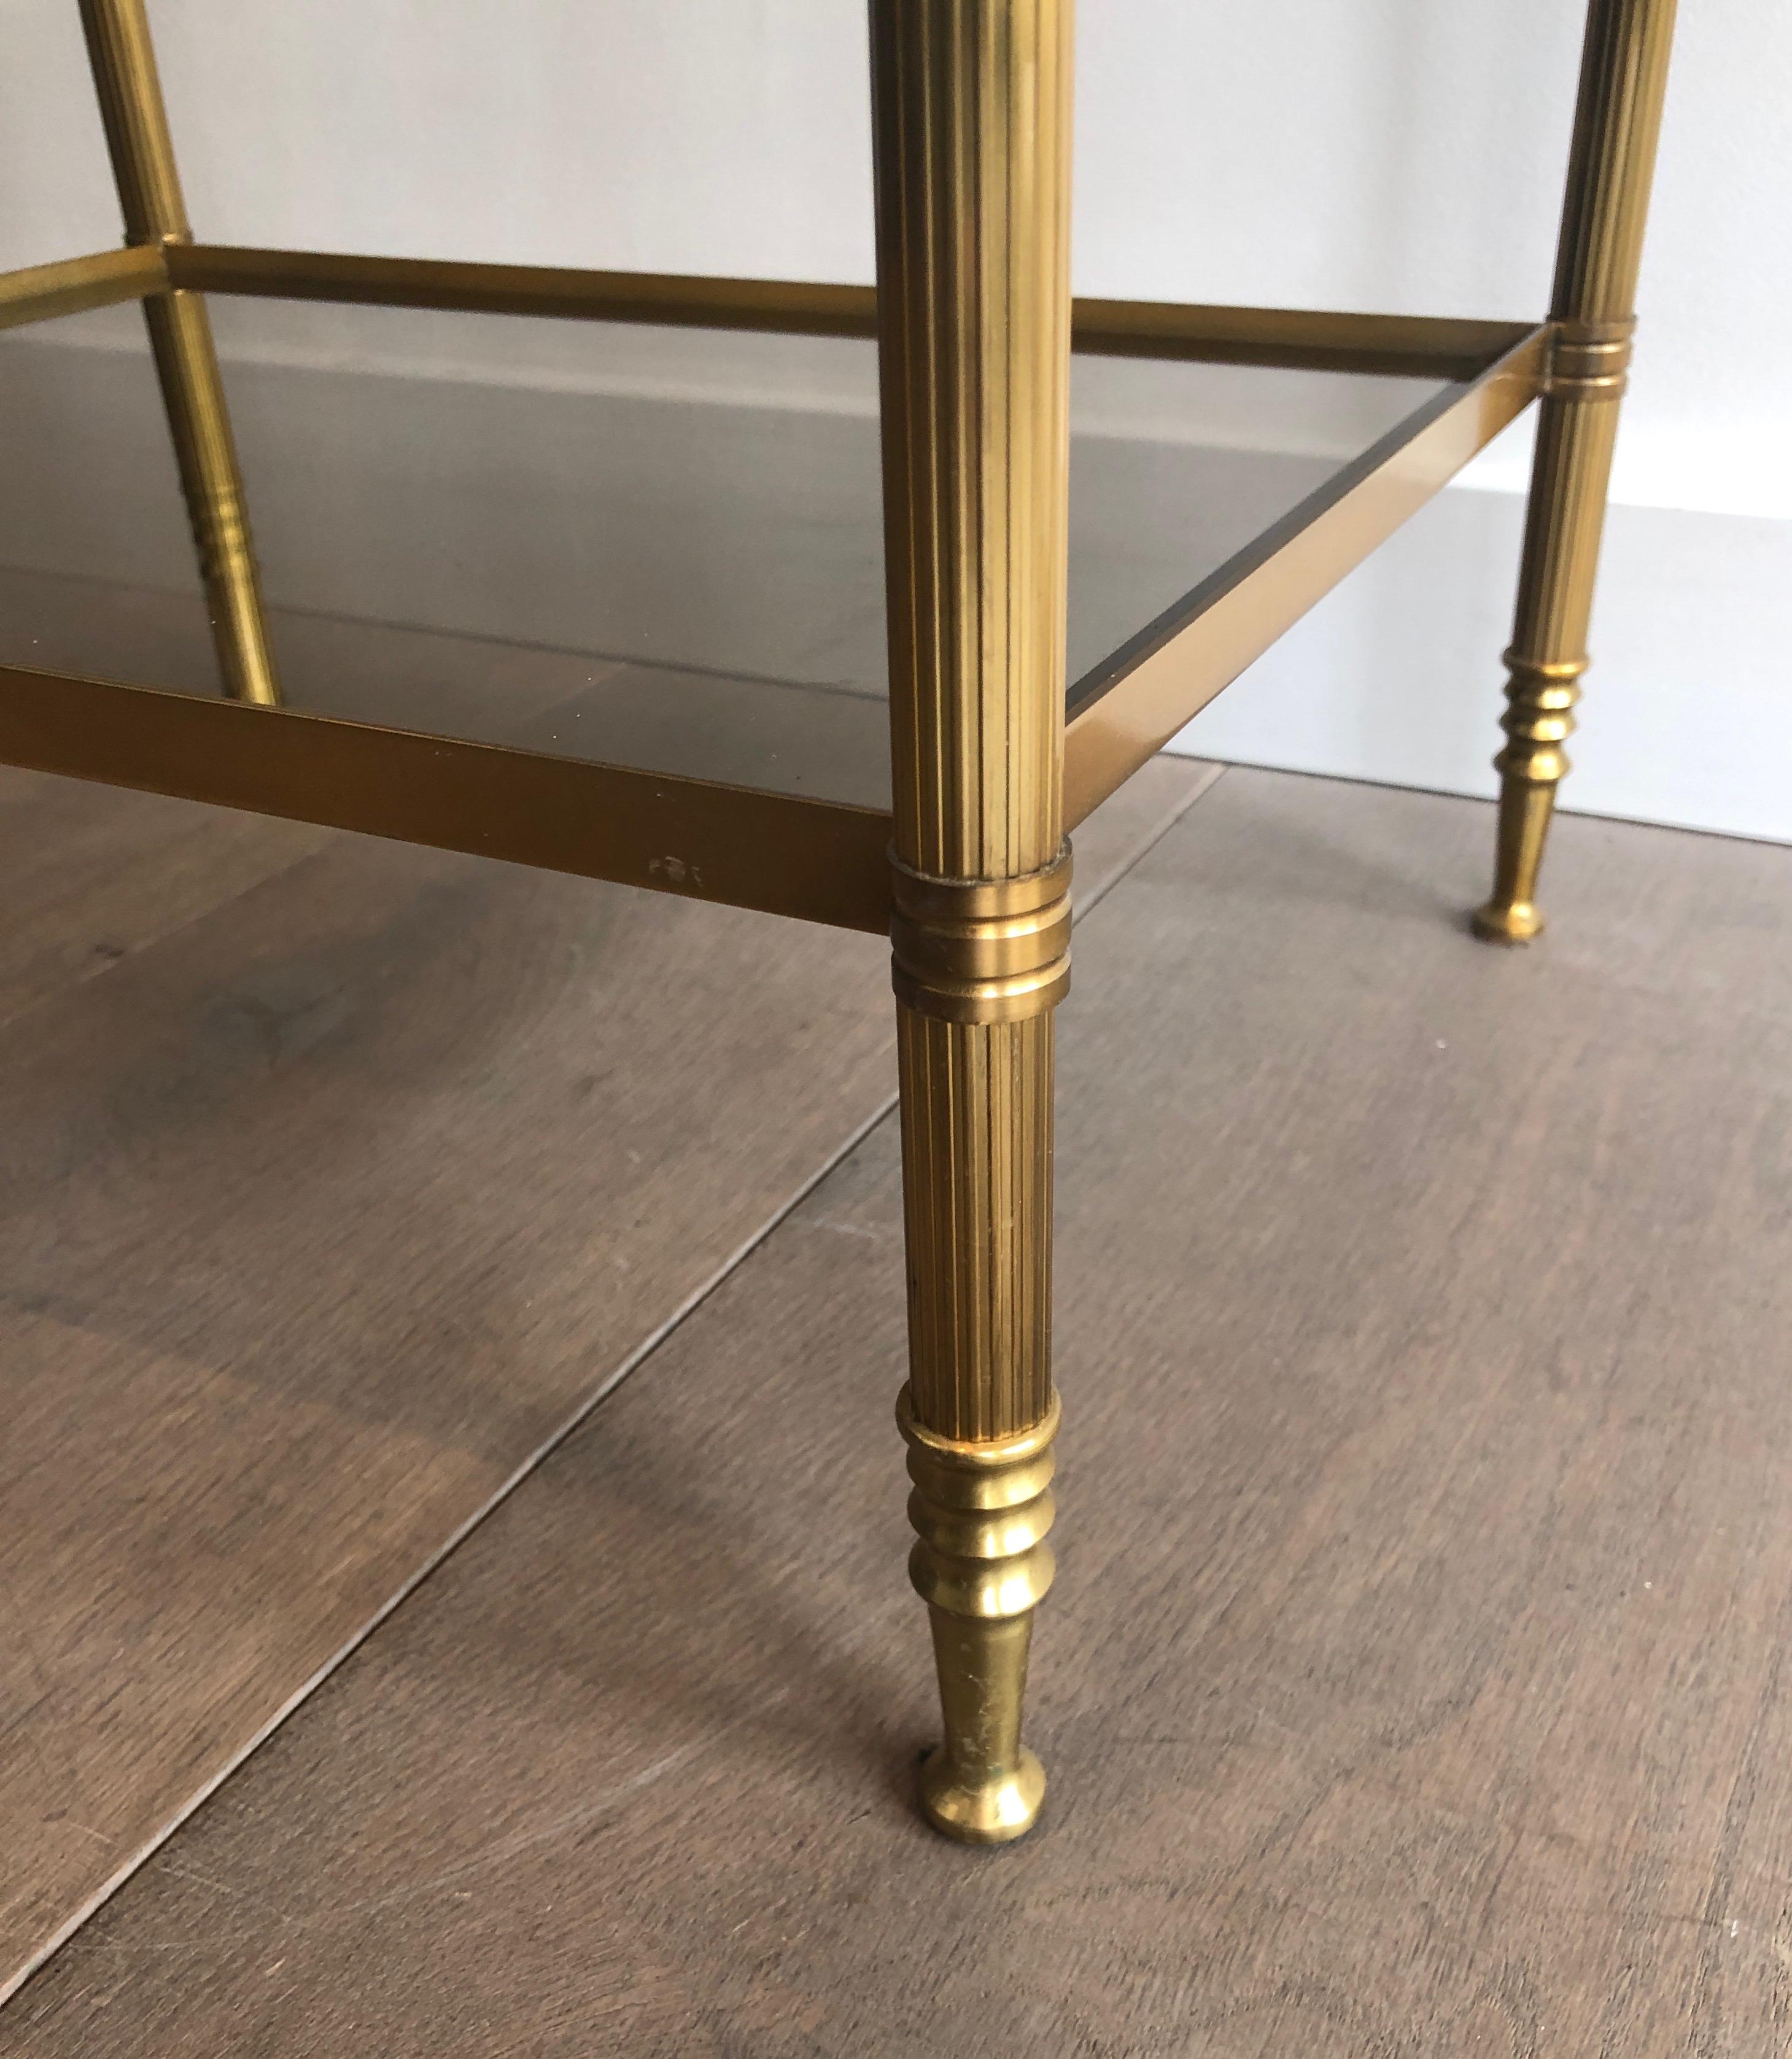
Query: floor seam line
column 1135, row 857
column 527, row 1466
column 631, row 1363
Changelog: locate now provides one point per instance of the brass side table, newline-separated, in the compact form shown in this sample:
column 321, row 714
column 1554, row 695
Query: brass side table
column 994, row 757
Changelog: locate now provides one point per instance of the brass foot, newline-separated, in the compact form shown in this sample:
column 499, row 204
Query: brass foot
column 982, row 1797
column 980, row 1513
column 1508, row 921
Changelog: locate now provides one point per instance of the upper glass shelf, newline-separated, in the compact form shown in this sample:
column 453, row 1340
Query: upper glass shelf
column 660, row 548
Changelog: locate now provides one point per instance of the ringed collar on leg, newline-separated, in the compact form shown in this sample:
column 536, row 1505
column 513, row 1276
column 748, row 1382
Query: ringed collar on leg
column 980, row 1513
column 981, row 950
column 1590, row 361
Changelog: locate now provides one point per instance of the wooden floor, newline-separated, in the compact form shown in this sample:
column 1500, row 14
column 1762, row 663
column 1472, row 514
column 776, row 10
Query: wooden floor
column 338, row 1179
column 1412, row 1686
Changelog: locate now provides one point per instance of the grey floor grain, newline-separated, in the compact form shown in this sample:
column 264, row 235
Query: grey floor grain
column 92, row 878
column 337, row 1177
column 1413, row 1684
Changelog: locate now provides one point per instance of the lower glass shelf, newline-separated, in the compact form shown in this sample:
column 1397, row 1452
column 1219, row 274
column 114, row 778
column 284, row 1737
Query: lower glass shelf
column 657, row 548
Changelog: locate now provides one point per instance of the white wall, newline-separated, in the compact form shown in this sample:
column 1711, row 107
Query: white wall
column 1399, row 154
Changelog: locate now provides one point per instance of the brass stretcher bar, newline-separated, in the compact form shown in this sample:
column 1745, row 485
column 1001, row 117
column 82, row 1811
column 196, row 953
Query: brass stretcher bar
column 822, row 861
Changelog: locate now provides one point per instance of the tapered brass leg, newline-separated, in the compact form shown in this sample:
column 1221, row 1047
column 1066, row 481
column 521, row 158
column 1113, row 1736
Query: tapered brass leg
column 1617, row 120
column 136, row 124
column 981, row 1563
column 974, row 1059
column 1548, row 653
column 972, row 136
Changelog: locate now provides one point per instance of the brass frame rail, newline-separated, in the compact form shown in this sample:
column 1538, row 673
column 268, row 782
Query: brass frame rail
column 821, row 861
column 74, row 284
column 1130, row 705
column 1420, row 346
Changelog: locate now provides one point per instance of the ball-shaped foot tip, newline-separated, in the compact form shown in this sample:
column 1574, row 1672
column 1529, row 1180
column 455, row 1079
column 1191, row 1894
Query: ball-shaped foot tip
column 991, row 1810
column 1508, row 921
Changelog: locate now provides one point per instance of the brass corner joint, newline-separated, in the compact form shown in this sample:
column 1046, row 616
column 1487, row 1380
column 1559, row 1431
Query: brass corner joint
column 980, row 1512
column 981, row 950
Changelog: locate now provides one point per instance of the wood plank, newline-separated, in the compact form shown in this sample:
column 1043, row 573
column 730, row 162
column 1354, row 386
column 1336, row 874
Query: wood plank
column 1413, row 1681
column 318, row 1215
column 92, row 876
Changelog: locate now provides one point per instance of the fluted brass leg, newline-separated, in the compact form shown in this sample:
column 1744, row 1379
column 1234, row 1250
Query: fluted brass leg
column 977, row 969
column 1623, row 76
column 972, row 110
column 136, row 124
column 1548, row 653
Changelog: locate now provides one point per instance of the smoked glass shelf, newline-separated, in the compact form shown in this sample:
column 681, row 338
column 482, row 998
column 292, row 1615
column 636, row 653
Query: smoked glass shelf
column 567, row 543
column 657, row 547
